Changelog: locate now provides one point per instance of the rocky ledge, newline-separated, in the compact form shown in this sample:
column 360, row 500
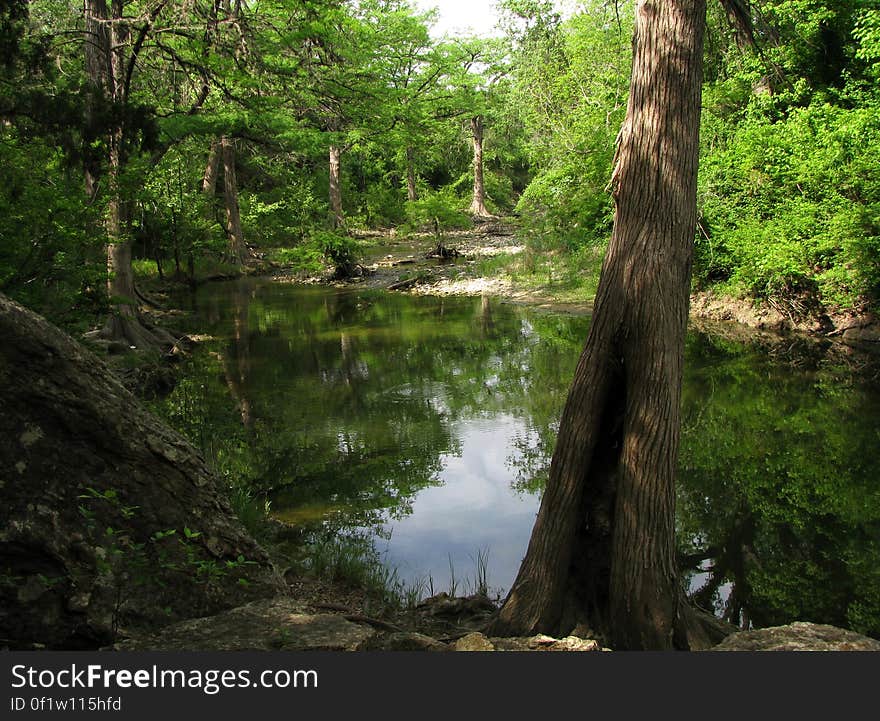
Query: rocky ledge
column 798, row 636
column 284, row 624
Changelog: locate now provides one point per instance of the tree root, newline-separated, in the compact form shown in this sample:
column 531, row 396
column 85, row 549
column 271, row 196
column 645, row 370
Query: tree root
column 137, row 334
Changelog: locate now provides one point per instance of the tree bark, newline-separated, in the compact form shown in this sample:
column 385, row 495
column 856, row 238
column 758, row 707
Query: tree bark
column 237, row 251
column 209, row 191
column 337, row 219
column 602, row 549
column 212, row 171
column 97, row 60
column 411, row 191
column 105, row 40
column 478, row 203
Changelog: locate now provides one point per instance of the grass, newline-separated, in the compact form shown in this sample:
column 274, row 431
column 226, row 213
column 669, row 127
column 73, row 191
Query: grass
column 205, row 267
column 252, row 509
column 562, row 275
column 353, row 560
column 567, row 276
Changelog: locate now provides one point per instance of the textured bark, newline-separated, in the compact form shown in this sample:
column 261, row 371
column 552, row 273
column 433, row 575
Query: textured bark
column 237, row 251
column 212, row 171
column 105, row 42
column 336, row 215
column 602, row 549
column 95, row 44
column 411, row 191
column 478, row 204
column 209, row 191
column 79, row 456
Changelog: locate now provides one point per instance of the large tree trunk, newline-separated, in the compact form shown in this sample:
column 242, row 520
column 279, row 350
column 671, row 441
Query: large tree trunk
column 105, row 41
column 478, row 203
column 337, row 219
column 92, row 487
column 237, row 251
column 209, row 191
column 120, row 278
column 212, row 172
column 602, row 549
column 97, row 60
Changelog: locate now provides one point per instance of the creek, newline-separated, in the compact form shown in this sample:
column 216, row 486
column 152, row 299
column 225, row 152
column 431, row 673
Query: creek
column 422, row 428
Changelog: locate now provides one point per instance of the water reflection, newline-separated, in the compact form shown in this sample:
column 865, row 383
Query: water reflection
column 432, row 421
column 471, row 512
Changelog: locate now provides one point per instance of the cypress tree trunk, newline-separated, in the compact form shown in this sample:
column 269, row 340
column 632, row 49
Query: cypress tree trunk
column 337, row 218
column 237, row 251
column 120, row 281
column 411, row 192
column 212, row 172
column 478, row 204
column 602, row 549
column 105, row 40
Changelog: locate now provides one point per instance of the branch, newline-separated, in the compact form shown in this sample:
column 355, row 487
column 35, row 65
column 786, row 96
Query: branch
column 138, row 44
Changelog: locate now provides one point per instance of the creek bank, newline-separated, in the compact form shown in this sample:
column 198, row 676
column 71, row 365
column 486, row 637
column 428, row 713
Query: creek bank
column 411, row 265
column 859, row 330
column 289, row 625
column 798, row 636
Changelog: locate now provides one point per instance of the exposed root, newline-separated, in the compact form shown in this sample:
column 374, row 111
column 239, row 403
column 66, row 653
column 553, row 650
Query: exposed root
column 137, row 334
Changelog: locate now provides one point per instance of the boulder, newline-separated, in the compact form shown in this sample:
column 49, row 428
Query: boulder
column 107, row 516
column 277, row 624
column 798, row 636
column 474, row 642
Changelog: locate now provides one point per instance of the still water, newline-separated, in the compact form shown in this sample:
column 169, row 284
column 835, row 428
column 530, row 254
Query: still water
column 425, row 426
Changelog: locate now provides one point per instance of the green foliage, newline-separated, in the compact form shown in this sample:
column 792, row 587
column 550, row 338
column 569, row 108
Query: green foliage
column 49, row 259
column 129, row 562
column 352, row 559
column 783, row 496
column 789, row 186
column 173, row 222
column 437, row 210
column 284, row 210
column 342, row 251
column 570, row 94
column 867, row 33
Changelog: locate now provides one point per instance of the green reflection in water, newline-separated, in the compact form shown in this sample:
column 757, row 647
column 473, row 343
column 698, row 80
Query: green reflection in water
column 367, row 410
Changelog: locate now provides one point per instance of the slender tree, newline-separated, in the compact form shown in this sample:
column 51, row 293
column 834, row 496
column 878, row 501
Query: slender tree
column 602, row 549
column 478, row 202
column 237, row 251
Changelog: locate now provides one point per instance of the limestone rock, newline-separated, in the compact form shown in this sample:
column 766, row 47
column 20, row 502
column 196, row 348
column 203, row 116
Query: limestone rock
column 798, row 636
column 474, row 642
column 573, row 643
column 277, row 624
column 546, row 643
column 107, row 516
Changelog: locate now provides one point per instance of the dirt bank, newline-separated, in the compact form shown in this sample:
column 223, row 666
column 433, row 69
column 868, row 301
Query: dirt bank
column 407, row 265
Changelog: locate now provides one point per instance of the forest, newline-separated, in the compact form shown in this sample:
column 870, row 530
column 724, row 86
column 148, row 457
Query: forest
column 334, row 264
